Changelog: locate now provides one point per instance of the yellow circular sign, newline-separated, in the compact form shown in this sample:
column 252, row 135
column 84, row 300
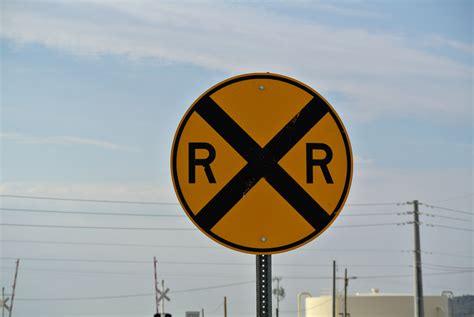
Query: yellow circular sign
column 261, row 163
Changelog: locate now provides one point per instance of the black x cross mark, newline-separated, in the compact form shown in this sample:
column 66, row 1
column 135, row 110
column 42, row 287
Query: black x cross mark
column 262, row 163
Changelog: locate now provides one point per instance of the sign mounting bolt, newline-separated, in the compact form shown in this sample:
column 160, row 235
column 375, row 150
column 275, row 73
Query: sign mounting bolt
column 263, row 239
column 261, row 87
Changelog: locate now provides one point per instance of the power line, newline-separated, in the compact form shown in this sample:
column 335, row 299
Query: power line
column 92, row 227
column 370, row 225
column 211, row 287
column 91, row 200
column 224, row 286
column 112, row 244
column 441, row 269
column 127, row 274
column 94, row 213
column 159, row 203
column 133, row 295
column 307, row 277
column 450, row 209
column 190, row 246
column 166, row 275
column 377, row 204
column 165, row 229
column 89, row 213
column 374, row 276
column 411, row 275
column 448, row 254
column 216, row 308
column 452, row 270
column 196, row 262
column 80, row 271
column 85, row 298
column 444, row 217
column 373, row 214
column 449, row 266
column 354, row 250
column 79, row 260
column 448, row 227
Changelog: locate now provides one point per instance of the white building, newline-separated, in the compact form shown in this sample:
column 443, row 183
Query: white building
column 375, row 305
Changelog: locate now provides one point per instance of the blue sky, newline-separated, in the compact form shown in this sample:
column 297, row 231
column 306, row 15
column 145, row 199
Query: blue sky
column 92, row 93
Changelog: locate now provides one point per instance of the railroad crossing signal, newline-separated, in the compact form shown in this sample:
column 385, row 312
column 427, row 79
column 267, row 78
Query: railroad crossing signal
column 261, row 163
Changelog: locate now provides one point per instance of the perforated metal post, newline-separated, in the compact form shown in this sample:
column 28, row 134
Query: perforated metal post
column 264, row 286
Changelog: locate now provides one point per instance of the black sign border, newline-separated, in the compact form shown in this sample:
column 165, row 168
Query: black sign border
column 331, row 111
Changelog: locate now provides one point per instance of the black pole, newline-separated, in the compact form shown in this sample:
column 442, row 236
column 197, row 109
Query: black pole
column 346, row 283
column 225, row 306
column 333, row 288
column 264, row 284
column 419, row 306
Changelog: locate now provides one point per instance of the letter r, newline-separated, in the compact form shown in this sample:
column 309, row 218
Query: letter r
column 322, row 163
column 206, row 162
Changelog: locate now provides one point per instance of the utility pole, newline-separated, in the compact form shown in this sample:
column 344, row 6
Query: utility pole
column 346, row 283
column 14, row 287
column 157, row 302
column 202, row 312
column 333, row 288
column 419, row 306
column 278, row 292
column 225, row 306
column 3, row 301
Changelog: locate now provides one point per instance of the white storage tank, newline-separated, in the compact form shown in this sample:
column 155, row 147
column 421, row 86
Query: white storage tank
column 375, row 304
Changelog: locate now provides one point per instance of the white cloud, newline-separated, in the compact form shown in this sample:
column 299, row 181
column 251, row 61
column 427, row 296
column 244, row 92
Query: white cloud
column 63, row 140
column 444, row 42
column 343, row 10
column 378, row 73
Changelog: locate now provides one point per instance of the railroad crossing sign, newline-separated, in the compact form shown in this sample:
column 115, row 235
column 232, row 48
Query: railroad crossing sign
column 4, row 303
column 261, row 163
column 162, row 295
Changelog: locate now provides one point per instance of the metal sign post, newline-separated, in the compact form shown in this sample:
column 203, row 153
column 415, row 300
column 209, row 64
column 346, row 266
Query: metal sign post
column 163, row 296
column 264, row 285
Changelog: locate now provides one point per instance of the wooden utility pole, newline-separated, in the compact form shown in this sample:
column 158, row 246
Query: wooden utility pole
column 14, row 287
column 419, row 306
